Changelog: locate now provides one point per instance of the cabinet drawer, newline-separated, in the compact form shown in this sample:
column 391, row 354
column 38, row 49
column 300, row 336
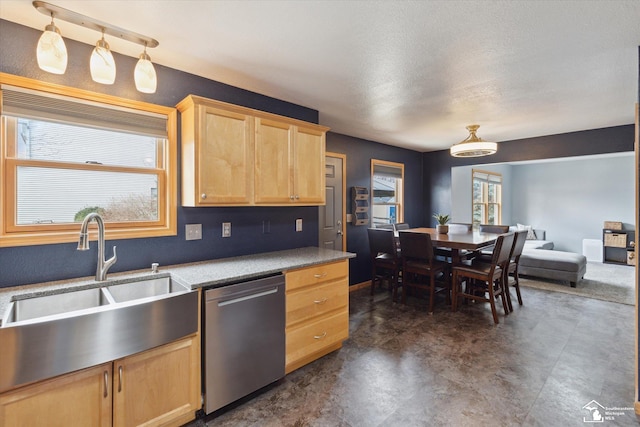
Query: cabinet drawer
column 316, row 274
column 312, row 337
column 317, row 300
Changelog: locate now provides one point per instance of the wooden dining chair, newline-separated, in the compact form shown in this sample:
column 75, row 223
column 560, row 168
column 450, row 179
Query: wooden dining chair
column 512, row 266
column 385, row 259
column 457, row 228
column 484, row 282
column 420, row 269
column 492, row 228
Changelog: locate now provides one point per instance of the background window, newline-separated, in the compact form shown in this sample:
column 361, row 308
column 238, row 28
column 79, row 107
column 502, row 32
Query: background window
column 487, row 198
column 387, row 192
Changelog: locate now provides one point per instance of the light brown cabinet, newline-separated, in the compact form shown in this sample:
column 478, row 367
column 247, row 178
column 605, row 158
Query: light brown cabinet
column 317, row 304
column 289, row 164
column 238, row 156
column 158, row 387
column 82, row 398
column 217, row 154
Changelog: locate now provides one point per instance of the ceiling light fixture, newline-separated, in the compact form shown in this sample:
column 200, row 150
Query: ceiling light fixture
column 51, row 51
column 144, row 74
column 102, row 64
column 473, row 146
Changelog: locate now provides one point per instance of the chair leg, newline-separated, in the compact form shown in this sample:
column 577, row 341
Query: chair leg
column 516, row 284
column 432, row 291
column 373, row 280
column 492, row 302
column 505, row 289
column 454, row 291
column 394, row 284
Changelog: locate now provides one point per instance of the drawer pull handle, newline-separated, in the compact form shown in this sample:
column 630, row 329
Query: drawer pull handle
column 319, row 337
column 319, row 276
column 106, row 384
column 119, row 379
column 320, row 301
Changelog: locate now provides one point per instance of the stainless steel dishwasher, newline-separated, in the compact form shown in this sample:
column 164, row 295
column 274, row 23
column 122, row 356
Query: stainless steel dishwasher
column 244, row 344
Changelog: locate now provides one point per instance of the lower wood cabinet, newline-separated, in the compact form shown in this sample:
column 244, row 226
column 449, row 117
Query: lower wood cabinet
column 317, row 301
column 158, row 387
column 82, row 398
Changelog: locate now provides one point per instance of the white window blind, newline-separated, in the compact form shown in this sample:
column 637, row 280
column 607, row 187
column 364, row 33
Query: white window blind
column 20, row 102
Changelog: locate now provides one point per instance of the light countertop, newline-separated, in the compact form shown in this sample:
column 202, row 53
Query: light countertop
column 193, row 275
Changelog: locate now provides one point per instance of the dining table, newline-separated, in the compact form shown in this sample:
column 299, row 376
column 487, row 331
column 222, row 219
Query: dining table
column 458, row 241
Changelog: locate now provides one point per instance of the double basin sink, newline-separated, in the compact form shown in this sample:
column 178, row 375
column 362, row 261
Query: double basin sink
column 46, row 336
column 69, row 303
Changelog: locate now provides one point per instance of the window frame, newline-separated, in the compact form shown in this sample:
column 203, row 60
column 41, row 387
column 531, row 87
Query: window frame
column 485, row 196
column 12, row 234
column 399, row 203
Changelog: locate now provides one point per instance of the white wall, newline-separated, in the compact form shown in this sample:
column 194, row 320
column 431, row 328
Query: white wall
column 570, row 199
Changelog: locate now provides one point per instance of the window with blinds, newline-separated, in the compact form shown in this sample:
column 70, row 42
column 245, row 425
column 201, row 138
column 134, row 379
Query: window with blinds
column 487, row 198
column 387, row 192
column 67, row 156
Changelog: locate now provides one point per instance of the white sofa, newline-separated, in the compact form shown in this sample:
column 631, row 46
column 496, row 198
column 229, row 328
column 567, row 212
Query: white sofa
column 540, row 260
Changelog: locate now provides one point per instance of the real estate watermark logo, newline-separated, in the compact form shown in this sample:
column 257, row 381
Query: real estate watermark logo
column 597, row 413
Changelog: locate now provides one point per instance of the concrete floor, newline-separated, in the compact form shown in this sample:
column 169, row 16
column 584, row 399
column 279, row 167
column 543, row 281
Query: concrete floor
column 401, row 367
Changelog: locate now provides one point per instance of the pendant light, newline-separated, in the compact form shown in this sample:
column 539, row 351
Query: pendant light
column 102, row 64
column 473, row 146
column 51, row 51
column 145, row 74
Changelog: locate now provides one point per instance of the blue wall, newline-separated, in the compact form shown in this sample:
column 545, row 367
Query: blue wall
column 359, row 153
column 24, row 265
column 437, row 164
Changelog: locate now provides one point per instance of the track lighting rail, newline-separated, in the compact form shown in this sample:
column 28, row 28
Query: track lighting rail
column 94, row 24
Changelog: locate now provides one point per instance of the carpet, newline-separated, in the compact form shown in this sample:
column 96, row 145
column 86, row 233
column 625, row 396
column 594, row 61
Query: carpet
column 608, row 282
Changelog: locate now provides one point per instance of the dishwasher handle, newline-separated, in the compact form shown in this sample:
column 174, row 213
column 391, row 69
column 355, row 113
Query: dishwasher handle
column 236, row 298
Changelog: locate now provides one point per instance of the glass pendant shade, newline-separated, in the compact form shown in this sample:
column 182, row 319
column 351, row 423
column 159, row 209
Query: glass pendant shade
column 102, row 64
column 473, row 146
column 51, row 51
column 145, row 74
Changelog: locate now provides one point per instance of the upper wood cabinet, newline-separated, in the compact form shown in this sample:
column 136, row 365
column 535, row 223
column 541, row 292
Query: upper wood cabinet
column 237, row 156
column 217, row 154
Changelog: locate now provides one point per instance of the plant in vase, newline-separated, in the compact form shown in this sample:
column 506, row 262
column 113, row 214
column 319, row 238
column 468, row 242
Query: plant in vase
column 442, row 227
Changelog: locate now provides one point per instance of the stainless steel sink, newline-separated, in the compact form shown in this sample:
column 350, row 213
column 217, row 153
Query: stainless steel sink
column 33, row 308
column 55, row 334
column 145, row 289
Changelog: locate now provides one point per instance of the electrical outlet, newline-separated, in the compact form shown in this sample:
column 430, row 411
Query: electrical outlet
column 226, row 229
column 266, row 227
column 299, row 224
column 193, row 231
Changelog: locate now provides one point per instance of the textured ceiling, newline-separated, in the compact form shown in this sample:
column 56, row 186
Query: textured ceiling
column 405, row 73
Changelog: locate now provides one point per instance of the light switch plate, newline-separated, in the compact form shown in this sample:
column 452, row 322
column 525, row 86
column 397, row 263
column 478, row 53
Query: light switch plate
column 226, row 229
column 193, row 231
column 299, row 224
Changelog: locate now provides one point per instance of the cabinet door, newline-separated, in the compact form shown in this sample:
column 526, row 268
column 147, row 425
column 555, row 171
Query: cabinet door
column 225, row 157
column 273, row 179
column 159, row 386
column 81, row 398
column 309, row 166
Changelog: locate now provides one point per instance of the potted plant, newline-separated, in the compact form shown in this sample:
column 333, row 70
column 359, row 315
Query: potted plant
column 442, row 227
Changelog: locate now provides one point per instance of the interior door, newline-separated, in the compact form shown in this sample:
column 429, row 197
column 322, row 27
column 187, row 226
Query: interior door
column 332, row 215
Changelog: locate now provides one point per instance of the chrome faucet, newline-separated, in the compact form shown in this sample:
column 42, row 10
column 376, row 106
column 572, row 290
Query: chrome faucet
column 83, row 245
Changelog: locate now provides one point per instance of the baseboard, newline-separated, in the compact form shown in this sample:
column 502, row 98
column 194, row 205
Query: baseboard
column 359, row 286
